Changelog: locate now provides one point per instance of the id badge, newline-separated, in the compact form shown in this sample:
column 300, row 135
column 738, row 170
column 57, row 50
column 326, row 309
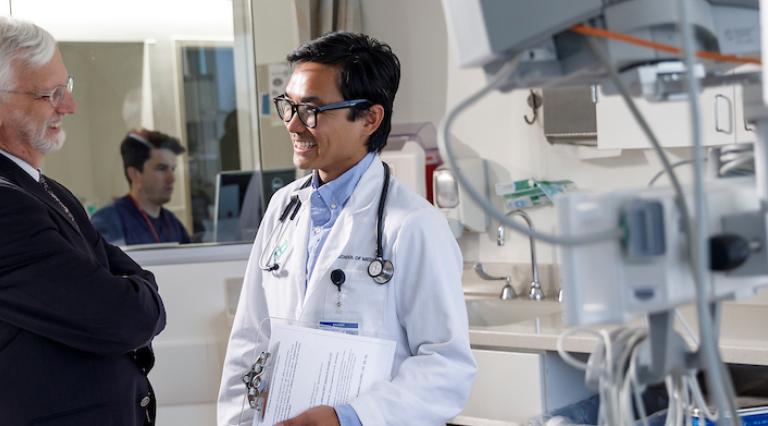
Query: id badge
column 346, row 327
column 339, row 315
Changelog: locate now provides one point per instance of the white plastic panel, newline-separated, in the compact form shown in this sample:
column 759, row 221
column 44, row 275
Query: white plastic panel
column 508, row 386
column 670, row 121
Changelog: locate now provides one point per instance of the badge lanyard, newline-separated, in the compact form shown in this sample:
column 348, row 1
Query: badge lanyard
column 144, row 215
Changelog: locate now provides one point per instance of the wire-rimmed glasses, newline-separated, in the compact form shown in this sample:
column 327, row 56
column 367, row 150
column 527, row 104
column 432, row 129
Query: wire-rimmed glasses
column 54, row 96
column 308, row 113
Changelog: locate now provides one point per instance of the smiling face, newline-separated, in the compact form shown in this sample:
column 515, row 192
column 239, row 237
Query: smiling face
column 335, row 144
column 30, row 127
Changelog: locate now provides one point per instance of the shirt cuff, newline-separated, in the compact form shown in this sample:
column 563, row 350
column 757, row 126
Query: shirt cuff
column 347, row 415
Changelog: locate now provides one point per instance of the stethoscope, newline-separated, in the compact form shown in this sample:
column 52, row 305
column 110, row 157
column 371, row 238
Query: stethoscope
column 380, row 269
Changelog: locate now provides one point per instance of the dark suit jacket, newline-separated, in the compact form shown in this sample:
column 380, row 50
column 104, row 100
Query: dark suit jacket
column 77, row 315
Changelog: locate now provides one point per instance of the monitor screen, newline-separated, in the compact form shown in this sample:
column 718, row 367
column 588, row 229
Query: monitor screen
column 239, row 201
column 276, row 179
column 238, row 206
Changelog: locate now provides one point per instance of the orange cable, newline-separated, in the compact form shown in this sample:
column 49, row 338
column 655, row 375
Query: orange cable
column 626, row 38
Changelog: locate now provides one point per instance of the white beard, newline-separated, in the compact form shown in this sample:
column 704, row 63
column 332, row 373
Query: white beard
column 35, row 136
column 46, row 145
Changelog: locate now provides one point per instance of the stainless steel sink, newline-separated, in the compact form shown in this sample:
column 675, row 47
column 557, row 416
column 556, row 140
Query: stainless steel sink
column 493, row 312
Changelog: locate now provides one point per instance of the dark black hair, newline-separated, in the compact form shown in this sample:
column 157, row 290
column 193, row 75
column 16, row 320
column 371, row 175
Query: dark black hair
column 137, row 145
column 367, row 70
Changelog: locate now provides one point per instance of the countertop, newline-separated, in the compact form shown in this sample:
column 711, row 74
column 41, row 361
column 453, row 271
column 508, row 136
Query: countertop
column 743, row 328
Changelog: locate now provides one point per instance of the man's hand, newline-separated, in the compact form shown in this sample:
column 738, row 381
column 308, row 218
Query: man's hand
column 322, row 415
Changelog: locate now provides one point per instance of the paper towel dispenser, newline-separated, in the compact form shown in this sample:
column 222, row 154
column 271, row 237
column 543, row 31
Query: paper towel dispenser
column 570, row 115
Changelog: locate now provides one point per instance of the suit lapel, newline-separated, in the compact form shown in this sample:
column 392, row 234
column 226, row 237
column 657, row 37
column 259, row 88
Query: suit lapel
column 21, row 178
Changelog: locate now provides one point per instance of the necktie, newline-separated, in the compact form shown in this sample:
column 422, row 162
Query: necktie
column 46, row 188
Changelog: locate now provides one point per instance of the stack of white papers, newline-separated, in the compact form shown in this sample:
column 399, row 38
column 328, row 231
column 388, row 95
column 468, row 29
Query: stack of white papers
column 314, row 367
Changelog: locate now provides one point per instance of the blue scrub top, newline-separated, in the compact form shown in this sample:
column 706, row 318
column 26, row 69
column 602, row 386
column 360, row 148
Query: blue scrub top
column 122, row 223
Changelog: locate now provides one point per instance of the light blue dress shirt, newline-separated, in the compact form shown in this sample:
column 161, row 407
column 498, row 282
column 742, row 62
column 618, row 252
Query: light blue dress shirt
column 326, row 202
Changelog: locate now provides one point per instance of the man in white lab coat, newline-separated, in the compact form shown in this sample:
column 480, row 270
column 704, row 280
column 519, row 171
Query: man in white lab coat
column 337, row 108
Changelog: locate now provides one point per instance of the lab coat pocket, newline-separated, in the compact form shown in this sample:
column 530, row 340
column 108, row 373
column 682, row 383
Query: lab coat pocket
column 354, row 303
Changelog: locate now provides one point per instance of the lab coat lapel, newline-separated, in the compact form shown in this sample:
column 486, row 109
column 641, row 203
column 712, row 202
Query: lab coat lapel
column 297, row 259
column 345, row 234
column 285, row 286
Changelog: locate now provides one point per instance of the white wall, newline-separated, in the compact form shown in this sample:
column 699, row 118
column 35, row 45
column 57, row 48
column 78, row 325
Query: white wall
column 494, row 128
column 274, row 30
column 5, row 7
column 416, row 32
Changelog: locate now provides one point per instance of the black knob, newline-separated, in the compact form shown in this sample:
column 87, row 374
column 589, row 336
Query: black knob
column 338, row 277
column 727, row 252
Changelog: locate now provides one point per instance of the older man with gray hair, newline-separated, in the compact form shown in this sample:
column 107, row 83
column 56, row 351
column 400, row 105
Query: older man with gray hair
column 77, row 315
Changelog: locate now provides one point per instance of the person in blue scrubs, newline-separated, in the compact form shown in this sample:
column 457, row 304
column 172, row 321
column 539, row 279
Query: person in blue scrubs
column 149, row 163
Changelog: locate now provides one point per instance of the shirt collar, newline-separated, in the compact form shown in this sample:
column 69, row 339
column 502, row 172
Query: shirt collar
column 35, row 173
column 340, row 189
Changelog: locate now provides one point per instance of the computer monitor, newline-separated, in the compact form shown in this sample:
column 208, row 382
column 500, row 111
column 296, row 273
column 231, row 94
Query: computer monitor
column 239, row 201
column 238, row 206
column 276, row 179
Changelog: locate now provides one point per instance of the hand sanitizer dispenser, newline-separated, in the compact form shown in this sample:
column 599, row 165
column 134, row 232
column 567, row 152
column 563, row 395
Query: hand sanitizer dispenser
column 454, row 202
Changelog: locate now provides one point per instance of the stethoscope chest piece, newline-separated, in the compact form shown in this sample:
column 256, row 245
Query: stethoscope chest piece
column 381, row 270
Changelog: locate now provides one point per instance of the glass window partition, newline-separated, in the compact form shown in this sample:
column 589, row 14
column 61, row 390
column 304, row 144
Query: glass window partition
column 209, row 125
column 204, row 76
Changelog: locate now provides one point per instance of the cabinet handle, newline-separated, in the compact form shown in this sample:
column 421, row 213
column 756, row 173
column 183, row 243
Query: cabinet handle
column 746, row 126
column 717, row 115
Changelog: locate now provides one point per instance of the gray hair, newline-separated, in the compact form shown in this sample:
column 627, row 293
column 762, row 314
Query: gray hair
column 25, row 42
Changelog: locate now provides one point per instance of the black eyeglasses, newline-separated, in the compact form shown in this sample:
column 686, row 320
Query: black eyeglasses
column 54, row 96
column 308, row 113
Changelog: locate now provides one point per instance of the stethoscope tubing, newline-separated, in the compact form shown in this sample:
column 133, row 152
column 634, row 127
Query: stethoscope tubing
column 292, row 209
column 386, row 271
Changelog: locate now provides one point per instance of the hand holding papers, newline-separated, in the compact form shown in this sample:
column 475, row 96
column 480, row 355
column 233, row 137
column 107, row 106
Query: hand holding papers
column 315, row 367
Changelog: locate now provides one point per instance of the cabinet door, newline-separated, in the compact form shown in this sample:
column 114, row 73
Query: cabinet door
column 508, row 387
column 670, row 121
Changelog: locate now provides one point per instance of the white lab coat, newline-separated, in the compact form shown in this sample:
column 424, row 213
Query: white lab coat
column 421, row 308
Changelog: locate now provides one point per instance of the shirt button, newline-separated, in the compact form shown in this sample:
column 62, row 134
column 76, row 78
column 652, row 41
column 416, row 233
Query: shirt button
column 144, row 402
column 317, row 230
column 333, row 206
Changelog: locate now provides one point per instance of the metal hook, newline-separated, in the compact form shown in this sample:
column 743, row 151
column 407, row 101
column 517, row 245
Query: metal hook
column 534, row 101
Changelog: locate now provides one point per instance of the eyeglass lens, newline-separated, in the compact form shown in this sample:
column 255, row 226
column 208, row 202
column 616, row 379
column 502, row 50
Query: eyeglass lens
column 307, row 113
column 57, row 95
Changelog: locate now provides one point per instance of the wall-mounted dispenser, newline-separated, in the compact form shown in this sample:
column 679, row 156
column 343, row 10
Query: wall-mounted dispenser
column 409, row 161
column 406, row 160
column 453, row 200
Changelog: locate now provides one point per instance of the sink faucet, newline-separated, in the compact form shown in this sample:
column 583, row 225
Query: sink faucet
column 534, row 292
column 507, row 292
